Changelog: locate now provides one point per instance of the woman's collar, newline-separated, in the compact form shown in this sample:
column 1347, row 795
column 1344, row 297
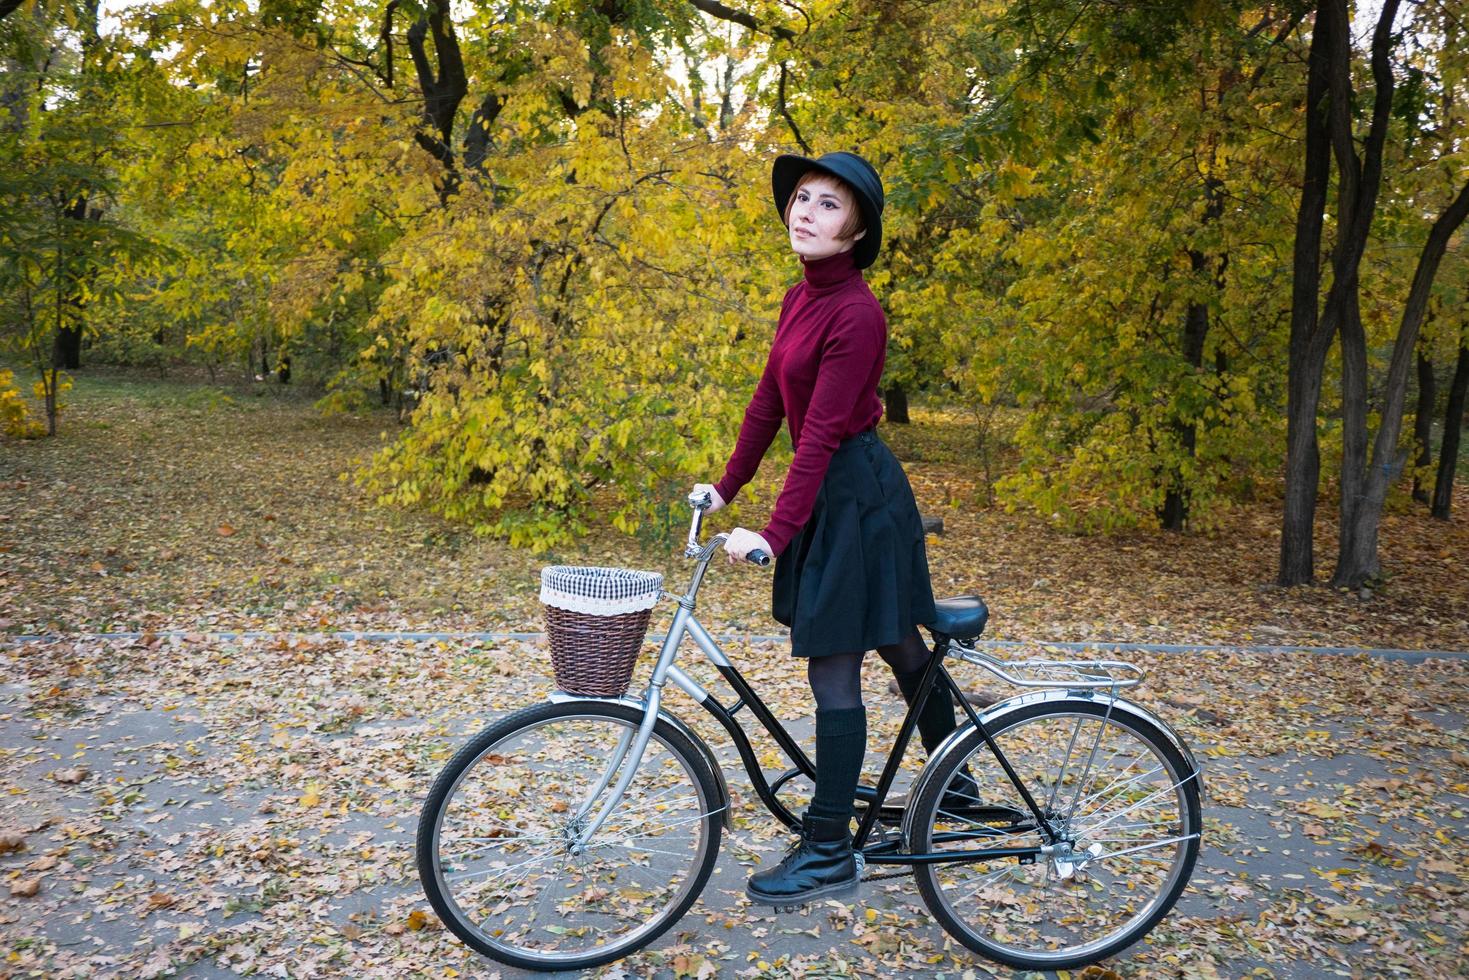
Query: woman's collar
column 830, row 271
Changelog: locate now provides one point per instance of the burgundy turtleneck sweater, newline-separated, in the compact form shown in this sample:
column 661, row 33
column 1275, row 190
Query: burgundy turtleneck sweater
column 822, row 374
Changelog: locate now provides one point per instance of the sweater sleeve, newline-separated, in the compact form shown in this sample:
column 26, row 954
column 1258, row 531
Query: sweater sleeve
column 855, row 342
column 762, row 421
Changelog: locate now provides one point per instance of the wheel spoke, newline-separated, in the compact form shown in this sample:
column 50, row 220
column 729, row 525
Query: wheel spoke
column 1005, row 871
column 1140, row 803
column 1065, row 764
column 466, row 875
column 498, row 842
column 1116, row 789
column 1108, row 855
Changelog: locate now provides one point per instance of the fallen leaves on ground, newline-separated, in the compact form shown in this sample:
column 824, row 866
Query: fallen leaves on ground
column 253, row 804
column 250, row 804
column 25, row 887
column 143, row 514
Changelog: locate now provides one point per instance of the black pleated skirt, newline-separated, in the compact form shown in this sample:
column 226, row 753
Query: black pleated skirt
column 856, row 576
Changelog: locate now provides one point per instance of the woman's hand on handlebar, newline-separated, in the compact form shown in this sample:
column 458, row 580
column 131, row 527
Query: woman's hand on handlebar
column 741, row 542
column 716, row 502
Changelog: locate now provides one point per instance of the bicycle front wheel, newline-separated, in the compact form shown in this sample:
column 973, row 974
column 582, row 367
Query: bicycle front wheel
column 497, row 841
column 1122, row 803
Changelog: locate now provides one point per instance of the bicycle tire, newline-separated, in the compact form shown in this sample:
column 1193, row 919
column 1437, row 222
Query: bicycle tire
column 1087, row 769
column 526, row 776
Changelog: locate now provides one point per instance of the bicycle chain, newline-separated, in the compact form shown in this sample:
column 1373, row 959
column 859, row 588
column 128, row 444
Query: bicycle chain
column 863, row 876
column 893, row 874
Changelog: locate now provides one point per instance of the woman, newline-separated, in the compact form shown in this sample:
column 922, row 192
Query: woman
column 851, row 574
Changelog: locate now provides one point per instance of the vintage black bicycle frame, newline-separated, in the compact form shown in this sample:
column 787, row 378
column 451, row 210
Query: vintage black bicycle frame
column 935, row 679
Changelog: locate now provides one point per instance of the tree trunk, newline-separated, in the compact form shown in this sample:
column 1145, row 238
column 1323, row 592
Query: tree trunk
column 443, row 87
column 1453, row 423
column 1359, row 181
column 49, row 381
column 1357, row 559
column 66, row 350
column 897, row 405
column 1423, row 426
column 1308, row 341
column 83, row 208
column 1353, row 404
column 1174, row 513
column 477, row 140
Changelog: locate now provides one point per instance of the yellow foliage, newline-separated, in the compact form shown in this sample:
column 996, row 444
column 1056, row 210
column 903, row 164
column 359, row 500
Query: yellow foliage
column 581, row 313
column 15, row 414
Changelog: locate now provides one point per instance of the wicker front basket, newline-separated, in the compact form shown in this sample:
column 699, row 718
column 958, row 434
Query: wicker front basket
column 594, row 655
column 596, row 619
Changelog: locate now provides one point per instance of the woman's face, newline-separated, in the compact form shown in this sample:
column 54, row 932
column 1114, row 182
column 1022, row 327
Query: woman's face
column 818, row 210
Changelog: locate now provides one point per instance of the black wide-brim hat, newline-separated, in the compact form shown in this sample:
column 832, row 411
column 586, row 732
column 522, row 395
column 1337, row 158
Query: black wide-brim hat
column 858, row 174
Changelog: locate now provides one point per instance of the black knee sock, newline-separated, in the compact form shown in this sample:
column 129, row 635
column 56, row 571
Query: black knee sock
column 936, row 720
column 841, row 742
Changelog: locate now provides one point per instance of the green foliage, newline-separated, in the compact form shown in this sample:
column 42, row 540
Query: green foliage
column 59, row 146
column 1062, row 237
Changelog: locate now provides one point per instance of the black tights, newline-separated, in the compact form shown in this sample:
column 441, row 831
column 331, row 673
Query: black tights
column 841, row 725
column 836, row 680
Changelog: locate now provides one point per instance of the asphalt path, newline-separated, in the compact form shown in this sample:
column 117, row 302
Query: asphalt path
column 162, row 860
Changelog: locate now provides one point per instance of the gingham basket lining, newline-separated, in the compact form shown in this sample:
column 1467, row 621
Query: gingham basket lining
column 599, row 591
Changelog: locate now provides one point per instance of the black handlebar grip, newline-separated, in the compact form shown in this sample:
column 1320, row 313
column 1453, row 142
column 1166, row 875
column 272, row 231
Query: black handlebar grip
column 758, row 557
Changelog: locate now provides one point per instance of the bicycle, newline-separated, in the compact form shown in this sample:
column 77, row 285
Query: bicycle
column 574, row 832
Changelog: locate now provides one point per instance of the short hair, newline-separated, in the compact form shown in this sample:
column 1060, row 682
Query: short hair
column 854, row 223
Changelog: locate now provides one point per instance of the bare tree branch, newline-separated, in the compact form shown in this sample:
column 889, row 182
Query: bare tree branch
column 386, row 36
column 442, row 90
column 785, row 112
column 716, row 9
column 1288, row 28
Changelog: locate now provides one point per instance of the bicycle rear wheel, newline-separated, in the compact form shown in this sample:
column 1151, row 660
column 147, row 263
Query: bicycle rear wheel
column 1123, row 802
column 496, row 840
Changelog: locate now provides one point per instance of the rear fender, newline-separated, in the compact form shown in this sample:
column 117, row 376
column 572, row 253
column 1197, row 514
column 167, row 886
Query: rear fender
column 994, row 718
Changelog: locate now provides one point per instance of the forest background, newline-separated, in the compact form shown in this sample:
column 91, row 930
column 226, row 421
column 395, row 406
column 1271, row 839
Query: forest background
column 1165, row 263
column 1176, row 296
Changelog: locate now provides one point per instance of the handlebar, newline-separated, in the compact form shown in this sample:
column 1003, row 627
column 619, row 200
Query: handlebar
column 700, row 502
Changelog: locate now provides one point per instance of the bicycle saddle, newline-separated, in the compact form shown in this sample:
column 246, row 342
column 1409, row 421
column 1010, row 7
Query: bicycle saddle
column 961, row 617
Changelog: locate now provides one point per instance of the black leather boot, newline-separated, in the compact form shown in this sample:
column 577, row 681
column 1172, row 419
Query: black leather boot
column 813, row 868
